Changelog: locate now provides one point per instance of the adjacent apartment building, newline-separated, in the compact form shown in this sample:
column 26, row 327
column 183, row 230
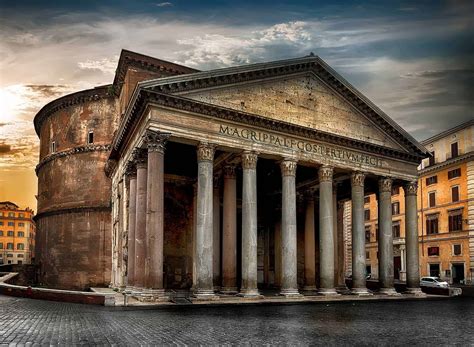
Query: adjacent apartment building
column 17, row 234
column 445, row 212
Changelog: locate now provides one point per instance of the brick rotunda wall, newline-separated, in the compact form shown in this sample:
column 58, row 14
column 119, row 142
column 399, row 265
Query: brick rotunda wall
column 74, row 232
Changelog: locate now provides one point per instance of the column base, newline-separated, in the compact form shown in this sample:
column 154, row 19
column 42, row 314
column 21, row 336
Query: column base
column 250, row 294
column 217, row 289
column 291, row 293
column 204, row 295
column 136, row 290
column 389, row 291
column 153, row 295
column 328, row 292
column 229, row 290
column 361, row 292
column 414, row 291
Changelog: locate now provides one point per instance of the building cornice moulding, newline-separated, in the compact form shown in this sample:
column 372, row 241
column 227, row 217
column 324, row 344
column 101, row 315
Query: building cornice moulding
column 453, row 161
column 72, row 151
column 61, row 211
column 72, row 99
column 147, row 97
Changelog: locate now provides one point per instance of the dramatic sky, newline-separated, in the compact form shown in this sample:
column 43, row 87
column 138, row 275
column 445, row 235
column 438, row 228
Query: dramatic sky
column 413, row 59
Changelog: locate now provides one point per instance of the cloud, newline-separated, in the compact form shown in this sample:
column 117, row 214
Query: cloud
column 164, row 4
column 104, row 65
column 217, row 50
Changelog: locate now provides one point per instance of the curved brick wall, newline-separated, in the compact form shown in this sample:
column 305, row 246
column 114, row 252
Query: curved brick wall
column 74, row 232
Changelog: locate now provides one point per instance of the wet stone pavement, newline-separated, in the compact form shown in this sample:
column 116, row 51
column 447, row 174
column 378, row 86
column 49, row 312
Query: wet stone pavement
column 427, row 322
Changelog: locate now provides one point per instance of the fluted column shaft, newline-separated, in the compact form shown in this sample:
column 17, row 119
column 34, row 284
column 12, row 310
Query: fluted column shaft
column 140, row 219
column 204, row 224
column 385, row 242
column 229, row 232
column 289, row 282
column 358, row 234
column 249, row 224
column 411, row 238
column 155, row 210
column 326, row 233
column 309, row 245
column 132, row 210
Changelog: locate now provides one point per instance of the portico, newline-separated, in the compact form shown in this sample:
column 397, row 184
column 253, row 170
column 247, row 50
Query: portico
column 272, row 168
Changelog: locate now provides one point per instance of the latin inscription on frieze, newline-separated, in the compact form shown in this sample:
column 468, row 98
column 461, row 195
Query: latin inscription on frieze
column 300, row 145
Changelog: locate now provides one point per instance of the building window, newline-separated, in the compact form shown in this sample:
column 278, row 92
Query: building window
column 367, row 214
column 1, row 245
column 376, row 233
column 367, row 255
column 20, row 256
column 53, row 147
column 395, row 190
column 454, row 173
column 432, row 159
column 396, row 230
column 90, row 137
column 431, row 180
column 396, row 207
column 455, row 220
column 20, row 262
column 9, row 255
column 457, row 250
column 432, row 199
column 432, row 224
column 21, row 234
column 455, row 193
column 10, row 233
column 11, row 224
column 21, row 215
column 367, row 234
column 433, row 251
column 454, row 150
column 366, row 199
column 1, row 232
column 1, row 223
column 20, row 246
column 11, row 214
column 9, row 245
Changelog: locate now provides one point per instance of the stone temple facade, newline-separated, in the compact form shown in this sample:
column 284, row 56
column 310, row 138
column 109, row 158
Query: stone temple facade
column 229, row 181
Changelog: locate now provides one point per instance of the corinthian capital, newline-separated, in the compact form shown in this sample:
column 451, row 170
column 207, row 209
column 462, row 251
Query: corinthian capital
column 410, row 188
column 357, row 178
column 156, row 141
column 288, row 167
column 205, row 152
column 325, row 173
column 131, row 169
column 249, row 160
column 229, row 171
column 385, row 184
column 140, row 157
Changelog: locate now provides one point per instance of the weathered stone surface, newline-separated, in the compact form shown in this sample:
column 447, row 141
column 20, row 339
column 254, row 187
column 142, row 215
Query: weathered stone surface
column 303, row 100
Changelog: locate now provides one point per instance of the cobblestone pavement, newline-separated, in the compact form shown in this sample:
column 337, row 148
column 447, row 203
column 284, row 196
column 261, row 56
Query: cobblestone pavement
column 26, row 321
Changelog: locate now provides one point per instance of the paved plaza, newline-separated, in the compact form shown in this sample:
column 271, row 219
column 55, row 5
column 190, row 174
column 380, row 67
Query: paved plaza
column 441, row 322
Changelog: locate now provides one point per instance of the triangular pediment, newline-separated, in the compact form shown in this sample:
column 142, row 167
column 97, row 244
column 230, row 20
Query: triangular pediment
column 304, row 100
column 303, row 92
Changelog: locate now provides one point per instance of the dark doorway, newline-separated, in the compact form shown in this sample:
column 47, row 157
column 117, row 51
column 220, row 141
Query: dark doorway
column 458, row 273
column 434, row 270
column 397, row 266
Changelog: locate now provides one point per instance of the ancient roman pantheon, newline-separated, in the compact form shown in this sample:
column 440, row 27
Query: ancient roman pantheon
column 223, row 181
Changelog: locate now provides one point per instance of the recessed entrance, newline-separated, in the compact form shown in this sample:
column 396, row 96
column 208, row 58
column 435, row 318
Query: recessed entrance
column 458, row 273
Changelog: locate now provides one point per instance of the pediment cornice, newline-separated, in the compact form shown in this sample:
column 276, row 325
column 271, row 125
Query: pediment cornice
column 146, row 97
column 314, row 64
